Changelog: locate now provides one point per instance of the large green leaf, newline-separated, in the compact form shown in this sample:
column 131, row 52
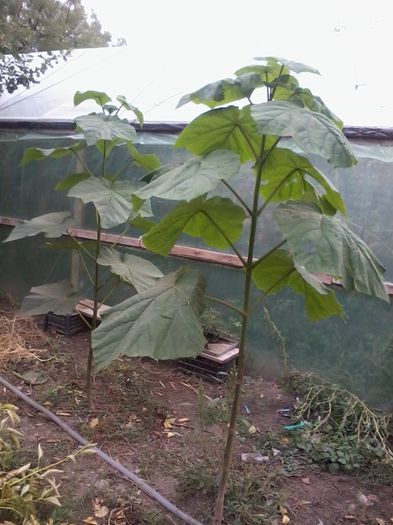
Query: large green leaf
column 278, row 270
column 296, row 67
column 288, row 176
column 311, row 131
column 193, row 178
column 96, row 127
column 59, row 298
column 304, row 97
column 225, row 128
column 54, row 153
column 99, row 97
column 52, row 225
column 161, row 322
column 322, row 243
column 199, row 218
column 223, row 91
column 111, row 199
column 139, row 272
column 268, row 73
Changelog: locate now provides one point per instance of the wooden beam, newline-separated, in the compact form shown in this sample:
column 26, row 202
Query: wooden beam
column 187, row 252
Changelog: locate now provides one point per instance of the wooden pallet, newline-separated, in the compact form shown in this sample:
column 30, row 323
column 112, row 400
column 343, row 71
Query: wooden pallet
column 86, row 308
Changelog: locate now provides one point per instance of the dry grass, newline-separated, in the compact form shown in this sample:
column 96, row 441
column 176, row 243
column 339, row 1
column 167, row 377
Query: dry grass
column 20, row 339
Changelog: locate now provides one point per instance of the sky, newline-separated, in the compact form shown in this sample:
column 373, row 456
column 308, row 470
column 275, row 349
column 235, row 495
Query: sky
column 348, row 41
column 177, row 46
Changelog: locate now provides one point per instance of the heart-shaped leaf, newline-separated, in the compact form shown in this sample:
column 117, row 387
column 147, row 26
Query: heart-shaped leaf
column 139, row 272
column 296, row 67
column 53, row 153
column 313, row 132
column 52, row 225
column 99, row 97
column 96, row 127
column 278, row 270
column 193, row 178
column 59, row 298
column 161, row 322
column 288, row 176
column 325, row 244
column 111, row 199
column 218, row 221
column 225, row 128
column 223, row 91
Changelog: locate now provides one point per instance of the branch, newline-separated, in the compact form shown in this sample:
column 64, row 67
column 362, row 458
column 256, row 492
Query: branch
column 110, row 291
column 263, row 296
column 85, row 268
column 83, row 163
column 80, row 246
column 235, row 193
column 276, row 86
column 255, row 263
column 235, row 250
column 225, row 303
column 276, row 190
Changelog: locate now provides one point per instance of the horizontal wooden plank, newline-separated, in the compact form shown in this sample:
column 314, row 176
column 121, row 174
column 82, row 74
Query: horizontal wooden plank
column 187, row 252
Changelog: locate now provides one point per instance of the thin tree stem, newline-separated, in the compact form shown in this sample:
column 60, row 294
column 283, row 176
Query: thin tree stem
column 219, row 505
column 235, row 193
column 95, row 311
column 225, row 303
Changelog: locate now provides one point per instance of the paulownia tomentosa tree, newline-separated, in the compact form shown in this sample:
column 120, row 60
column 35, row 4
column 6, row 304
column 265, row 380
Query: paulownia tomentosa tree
column 113, row 197
column 308, row 210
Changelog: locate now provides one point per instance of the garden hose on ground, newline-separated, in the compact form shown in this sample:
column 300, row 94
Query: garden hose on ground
column 131, row 476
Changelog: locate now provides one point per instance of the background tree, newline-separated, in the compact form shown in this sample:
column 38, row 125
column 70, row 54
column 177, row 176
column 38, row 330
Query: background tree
column 30, row 26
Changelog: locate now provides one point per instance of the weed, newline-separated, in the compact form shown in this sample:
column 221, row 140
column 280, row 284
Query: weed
column 253, row 495
column 341, row 432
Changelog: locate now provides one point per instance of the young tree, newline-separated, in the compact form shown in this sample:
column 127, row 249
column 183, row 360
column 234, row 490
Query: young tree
column 307, row 208
column 29, row 26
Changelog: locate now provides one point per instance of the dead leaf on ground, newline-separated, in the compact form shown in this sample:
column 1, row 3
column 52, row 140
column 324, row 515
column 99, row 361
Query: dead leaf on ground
column 169, row 421
column 380, row 521
column 306, row 481
column 90, row 521
column 94, row 422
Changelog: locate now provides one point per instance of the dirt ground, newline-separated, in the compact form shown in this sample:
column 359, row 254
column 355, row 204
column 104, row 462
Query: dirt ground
column 169, row 427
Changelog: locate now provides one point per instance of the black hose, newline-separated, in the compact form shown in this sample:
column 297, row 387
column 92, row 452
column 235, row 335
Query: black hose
column 147, row 489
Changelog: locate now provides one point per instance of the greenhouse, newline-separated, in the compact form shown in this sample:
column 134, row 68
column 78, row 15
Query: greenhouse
column 123, row 208
column 354, row 351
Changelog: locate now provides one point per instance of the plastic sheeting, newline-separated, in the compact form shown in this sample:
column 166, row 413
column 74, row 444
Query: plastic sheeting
column 356, row 352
